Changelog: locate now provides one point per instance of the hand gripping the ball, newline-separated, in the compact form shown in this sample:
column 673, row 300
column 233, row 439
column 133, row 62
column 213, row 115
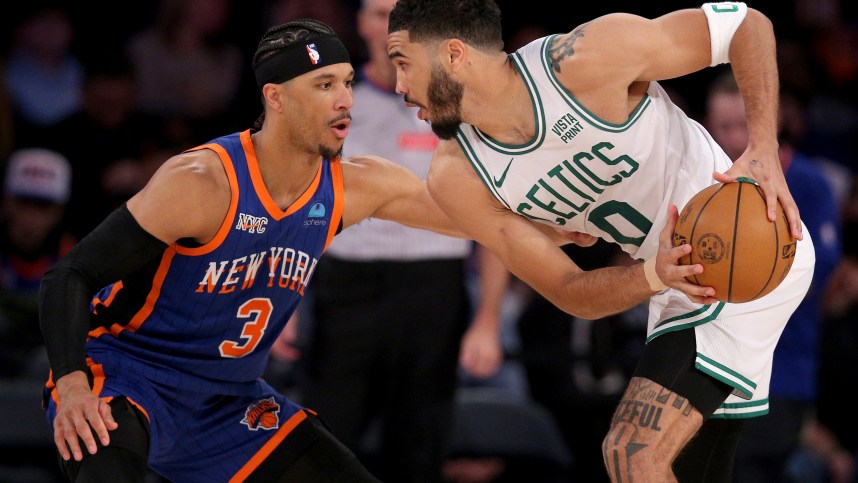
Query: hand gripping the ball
column 744, row 254
column 669, row 269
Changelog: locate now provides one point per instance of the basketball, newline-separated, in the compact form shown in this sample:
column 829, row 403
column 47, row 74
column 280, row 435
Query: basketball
column 744, row 255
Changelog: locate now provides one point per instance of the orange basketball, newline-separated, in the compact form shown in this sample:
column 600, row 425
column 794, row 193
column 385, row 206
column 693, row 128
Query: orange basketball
column 744, row 255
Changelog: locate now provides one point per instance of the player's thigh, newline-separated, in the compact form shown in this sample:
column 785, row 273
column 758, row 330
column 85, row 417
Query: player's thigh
column 311, row 454
column 663, row 407
column 669, row 361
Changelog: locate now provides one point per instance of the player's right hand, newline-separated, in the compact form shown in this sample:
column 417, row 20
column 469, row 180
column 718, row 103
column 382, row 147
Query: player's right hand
column 79, row 412
column 671, row 272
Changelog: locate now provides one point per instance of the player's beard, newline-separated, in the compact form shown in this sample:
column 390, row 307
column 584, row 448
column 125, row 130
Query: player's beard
column 445, row 103
column 329, row 153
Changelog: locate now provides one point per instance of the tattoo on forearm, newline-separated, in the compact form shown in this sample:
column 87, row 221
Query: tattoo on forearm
column 756, row 163
column 563, row 47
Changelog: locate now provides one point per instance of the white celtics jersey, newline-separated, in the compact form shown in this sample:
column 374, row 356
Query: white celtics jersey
column 581, row 173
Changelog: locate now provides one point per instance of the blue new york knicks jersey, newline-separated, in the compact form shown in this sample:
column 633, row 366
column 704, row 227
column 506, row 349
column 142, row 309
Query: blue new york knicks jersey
column 186, row 338
column 211, row 312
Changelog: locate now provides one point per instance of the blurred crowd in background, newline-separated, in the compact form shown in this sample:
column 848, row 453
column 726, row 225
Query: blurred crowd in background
column 94, row 96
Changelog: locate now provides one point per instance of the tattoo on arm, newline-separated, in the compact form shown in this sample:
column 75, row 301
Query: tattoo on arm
column 563, row 47
column 756, row 163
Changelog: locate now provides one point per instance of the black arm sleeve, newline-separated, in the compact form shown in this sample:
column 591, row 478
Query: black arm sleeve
column 117, row 247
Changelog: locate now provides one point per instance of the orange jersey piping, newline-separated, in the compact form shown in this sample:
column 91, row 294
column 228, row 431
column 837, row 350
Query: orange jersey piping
column 339, row 196
column 151, row 299
column 268, row 447
column 259, row 184
column 230, row 214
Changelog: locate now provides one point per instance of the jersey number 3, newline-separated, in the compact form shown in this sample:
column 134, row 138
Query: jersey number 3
column 259, row 312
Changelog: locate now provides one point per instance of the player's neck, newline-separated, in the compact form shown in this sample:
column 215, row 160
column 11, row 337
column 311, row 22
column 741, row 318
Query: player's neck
column 501, row 107
column 286, row 170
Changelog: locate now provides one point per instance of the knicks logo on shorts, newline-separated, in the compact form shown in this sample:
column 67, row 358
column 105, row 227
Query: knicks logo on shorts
column 262, row 415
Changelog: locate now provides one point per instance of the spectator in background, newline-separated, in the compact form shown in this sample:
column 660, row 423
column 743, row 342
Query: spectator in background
column 107, row 176
column 768, row 442
column 339, row 14
column 578, row 368
column 188, row 69
column 42, row 74
column 835, row 439
column 7, row 122
column 37, row 185
column 391, row 302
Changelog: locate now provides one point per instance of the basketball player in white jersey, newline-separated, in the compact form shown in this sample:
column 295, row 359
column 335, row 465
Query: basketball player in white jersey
column 574, row 131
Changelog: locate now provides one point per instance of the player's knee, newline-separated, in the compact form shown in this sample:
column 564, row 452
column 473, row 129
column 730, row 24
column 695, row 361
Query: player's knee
column 108, row 465
column 611, row 452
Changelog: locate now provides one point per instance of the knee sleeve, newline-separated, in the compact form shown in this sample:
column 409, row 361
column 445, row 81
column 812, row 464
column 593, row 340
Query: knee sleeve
column 708, row 457
column 109, row 465
column 669, row 361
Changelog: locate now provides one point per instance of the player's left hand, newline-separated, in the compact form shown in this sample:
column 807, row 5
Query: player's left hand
column 763, row 166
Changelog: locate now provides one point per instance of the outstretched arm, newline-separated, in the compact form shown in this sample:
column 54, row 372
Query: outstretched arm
column 376, row 187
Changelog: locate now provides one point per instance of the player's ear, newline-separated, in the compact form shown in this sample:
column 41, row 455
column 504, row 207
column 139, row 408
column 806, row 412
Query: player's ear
column 273, row 97
column 455, row 54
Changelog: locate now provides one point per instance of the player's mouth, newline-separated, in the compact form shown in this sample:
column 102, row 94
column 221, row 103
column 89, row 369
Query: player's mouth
column 340, row 126
column 421, row 111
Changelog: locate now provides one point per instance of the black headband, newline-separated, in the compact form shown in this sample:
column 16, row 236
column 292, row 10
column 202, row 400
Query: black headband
column 300, row 58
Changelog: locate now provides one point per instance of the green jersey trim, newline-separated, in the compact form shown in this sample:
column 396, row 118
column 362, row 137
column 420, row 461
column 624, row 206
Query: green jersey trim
column 719, row 371
column 743, row 410
column 481, row 170
column 588, row 116
column 704, row 314
column 538, row 117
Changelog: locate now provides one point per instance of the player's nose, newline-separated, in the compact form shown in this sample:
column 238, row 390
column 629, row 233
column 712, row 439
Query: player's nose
column 401, row 85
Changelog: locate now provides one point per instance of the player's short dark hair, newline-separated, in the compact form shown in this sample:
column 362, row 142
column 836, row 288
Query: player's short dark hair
column 475, row 22
column 281, row 36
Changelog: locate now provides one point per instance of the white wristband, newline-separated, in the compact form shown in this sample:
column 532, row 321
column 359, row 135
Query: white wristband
column 724, row 19
column 655, row 283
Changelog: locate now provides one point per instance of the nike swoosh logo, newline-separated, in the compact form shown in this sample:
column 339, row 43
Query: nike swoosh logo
column 499, row 182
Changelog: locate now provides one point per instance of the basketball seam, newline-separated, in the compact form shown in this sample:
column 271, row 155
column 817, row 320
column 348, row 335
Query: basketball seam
column 777, row 245
column 694, row 227
column 733, row 248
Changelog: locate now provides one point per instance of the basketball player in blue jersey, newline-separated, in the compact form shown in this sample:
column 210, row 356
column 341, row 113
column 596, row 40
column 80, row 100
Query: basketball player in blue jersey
column 159, row 323
column 573, row 131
